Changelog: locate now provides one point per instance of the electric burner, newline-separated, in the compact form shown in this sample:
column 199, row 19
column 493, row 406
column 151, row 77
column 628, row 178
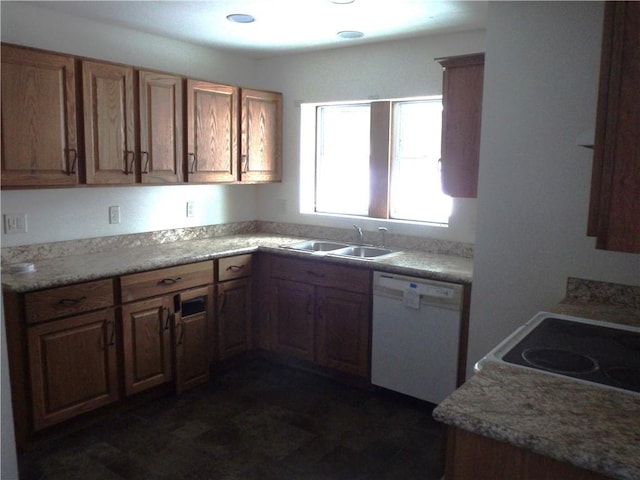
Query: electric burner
column 601, row 353
column 559, row 361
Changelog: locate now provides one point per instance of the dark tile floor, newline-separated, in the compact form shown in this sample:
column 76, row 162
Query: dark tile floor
column 258, row 421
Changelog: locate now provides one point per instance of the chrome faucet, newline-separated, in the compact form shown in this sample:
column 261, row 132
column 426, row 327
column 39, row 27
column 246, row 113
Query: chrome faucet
column 358, row 234
column 383, row 231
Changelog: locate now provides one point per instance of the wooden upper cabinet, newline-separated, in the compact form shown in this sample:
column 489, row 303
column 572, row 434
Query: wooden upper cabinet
column 261, row 141
column 109, row 123
column 212, row 132
column 161, row 125
column 614, row 211
column 39, row 126
column 461, row 121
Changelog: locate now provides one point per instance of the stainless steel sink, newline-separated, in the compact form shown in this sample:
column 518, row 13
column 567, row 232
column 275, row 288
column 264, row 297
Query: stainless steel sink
column 362, row 251
column 316, row 246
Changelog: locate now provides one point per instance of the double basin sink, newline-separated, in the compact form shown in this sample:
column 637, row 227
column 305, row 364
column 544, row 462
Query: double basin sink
column 325, row 247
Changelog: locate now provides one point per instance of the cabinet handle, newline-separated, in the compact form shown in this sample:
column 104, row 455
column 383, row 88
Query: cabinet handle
column 112, row 337
column 167, row 318
column 68, row 302
column 223, row 302
column 234, row 268
column 245, row 163
column 315, row 274
column 309, row 301
column 181, row 337
column 169, row 281
column 194, row 163
column 128, row 168
column 74, row 161
column 146, row 162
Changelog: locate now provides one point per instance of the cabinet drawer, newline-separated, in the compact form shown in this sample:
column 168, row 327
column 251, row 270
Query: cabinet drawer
column 321, row 274
column 234, row 267
column 72, row 299
column 166, row 280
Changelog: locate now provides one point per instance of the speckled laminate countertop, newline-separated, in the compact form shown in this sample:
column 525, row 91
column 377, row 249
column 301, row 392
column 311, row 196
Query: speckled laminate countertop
column 591, row 427
column 79, row 268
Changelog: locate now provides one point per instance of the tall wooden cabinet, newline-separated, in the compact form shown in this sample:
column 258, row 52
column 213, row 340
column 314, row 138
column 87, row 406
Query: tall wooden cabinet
column 461, row 123
column 614, row 210
column 109, row 123
column 39, row 123
column 261, row 142
column 212, row 132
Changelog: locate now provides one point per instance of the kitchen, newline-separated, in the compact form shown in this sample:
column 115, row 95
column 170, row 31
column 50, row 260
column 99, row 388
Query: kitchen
column 540, row 93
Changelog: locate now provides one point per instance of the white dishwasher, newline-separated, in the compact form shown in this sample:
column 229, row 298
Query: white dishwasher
column 415, row 335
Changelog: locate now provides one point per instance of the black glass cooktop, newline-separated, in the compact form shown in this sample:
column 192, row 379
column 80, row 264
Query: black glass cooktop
column 590, row 352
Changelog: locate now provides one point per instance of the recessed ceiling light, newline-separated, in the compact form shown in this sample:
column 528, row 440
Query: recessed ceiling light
column 350, row 34
column 342, row 2
column 240, row 18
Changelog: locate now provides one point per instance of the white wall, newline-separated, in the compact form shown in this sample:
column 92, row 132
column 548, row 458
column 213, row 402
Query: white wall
column 66, row 214
column 403, row 68
column 541, row 80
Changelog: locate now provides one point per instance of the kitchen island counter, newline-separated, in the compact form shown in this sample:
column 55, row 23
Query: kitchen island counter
column 593, row 428
column 64, row 270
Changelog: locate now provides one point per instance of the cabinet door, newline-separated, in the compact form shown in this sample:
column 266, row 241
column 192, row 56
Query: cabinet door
column 72, row 366
column 39, row 139
column 293, row 319
column 161, row 149
column 614, row 216
column 343, row 321
column 234, row 318
column 261, row 141
column 146, row 337
column 212, row 132
column 193, row 338
column 461, row 122
column 108, row 94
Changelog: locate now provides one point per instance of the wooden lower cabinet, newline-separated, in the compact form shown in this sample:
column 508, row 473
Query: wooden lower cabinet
column 343, row 330
column 321, row 313
column 192, row 338
column 473, row 456
column 146, row 339
column 234, row 318
column 72, row 366
column 293, row 319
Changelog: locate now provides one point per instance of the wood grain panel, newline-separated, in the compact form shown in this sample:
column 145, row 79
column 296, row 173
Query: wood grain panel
column 72, row 299
column 146, row 337
column 321, row 274
column 473, row 456
column 234, row 319
column 212, row 132
column 161, row 127
column 461, row 123
column 39, row 125
column 109, row 122
column 237, row 266
column 72, row 366
column 261, row 136
column 165, row 280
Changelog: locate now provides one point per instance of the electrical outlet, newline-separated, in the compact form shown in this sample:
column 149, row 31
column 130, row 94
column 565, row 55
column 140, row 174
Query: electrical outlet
column 15, row 223
column 114, row 215
column 191, row 209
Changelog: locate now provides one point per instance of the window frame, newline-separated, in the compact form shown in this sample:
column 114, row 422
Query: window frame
column 380, row 159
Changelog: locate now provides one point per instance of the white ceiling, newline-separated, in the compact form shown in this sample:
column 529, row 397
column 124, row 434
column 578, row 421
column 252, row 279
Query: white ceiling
column 281, row 26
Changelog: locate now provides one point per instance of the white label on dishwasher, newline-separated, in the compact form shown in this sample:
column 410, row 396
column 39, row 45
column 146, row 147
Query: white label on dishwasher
column 411, row 297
